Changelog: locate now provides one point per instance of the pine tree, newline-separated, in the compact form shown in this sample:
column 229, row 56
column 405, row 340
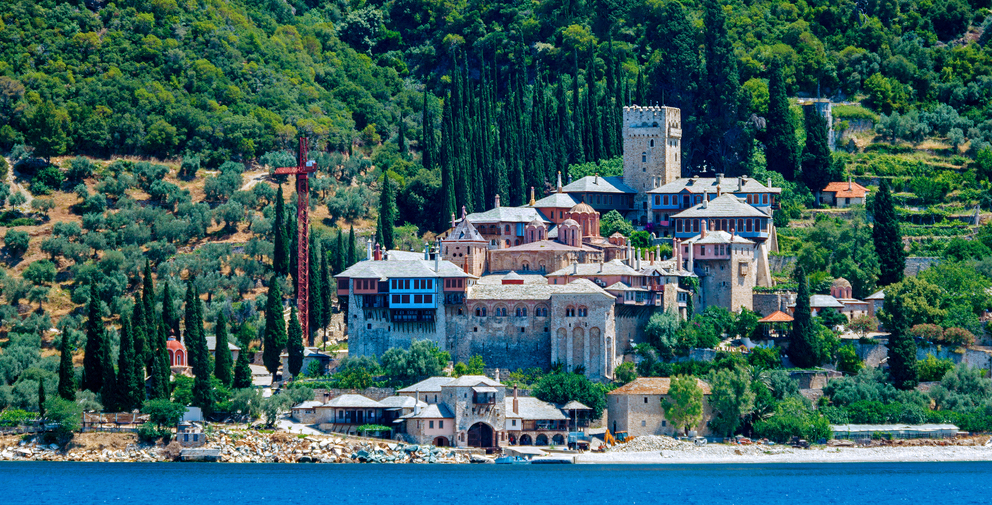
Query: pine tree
column 781, row 147
column 294, row 344
column 274, row 338
column 222, row 353
column 817, row 166
column 126, row 362
column 41, row 398
column 902, row 347
column 803, row 344
column 242, row 372
column 387, row 214
column 887, row 238
column 67, row 376
column 280, row 253
column 92, row 358
column 352, row 254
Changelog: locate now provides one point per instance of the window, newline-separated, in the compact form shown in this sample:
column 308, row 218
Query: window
column 396, row 299
column 514, row 422
column 418, row 298
column 652, row 142
column 430, row 425
column 428, row 298
column 570, row 312
column 440, row 424
column 664, row 423
column 665, row 199
column 507, row 229
column 645, row 399
column 644, row 423
column 583, row 312
column 406, row 298
column 644, row 157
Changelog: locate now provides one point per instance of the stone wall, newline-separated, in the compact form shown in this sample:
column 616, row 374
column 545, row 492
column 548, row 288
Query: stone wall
column 641, row 415
column 630, row 322
column 767, row 303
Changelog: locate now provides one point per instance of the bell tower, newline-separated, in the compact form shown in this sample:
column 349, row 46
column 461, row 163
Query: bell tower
column 652, row 144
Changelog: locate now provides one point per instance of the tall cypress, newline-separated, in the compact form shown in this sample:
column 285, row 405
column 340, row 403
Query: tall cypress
column 782, row 149
column 170, row 316
column 274, row 337
column 67, row 376
column 160, row 364
column 592, row 95
column 816, row 159
column 428, row 155
column 293, row 234
column 191, row 336
column 41, row 398
column 676, row 80
column 803, row 345
column 127, row 369
column 280, row 253
column 640, row 89
column 578, row 151
column 139, row 337
column 339, row 253
column 294, row 344
column 387, row 214
column 317, row 301
column 446, row 155
column 242, row 372
column 352, row 254
column 326, row 290
column 108, row 386
column 902, row 347
column 93, row 355
column 222, row 353
column 722, row 93
column 887, row 237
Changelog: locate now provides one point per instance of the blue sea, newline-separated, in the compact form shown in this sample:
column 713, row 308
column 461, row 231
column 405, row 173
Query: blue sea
column 40, row 483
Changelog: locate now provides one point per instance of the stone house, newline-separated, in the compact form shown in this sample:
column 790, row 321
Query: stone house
column 344, row 413
column 726, row 266
column 306, row 412
column 190, row 434
column 636, row 408
column 530, row 421
column 843, row 194
column 432, row 424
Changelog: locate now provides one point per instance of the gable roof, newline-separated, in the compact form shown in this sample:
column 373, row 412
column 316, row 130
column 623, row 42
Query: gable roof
column 612, row 267
column 653, row 386
column 387, row 269
column 556, row 201
column 506, row 215
column 465, row 231
column 353, row 401
column 777, row 317
column 725, row 205
column 401, row 402
column 696, row 185
column 532, row 409
column 848, row 189
column 535, row 291
column 472, row 380
column 596, row 184
column 212, row 344
column 717, row 237
column 433, row 411
column 431, row 385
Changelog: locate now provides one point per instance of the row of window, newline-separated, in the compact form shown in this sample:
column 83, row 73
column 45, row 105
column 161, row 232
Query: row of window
column 454, row 283
column 570, row 312
column 668, row 200
column 741, row 225
column 416, row 299
column 366, row 284
column 417, row 283
column 518, row 312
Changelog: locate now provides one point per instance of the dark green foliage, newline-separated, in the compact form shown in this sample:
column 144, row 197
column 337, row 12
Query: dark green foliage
column 222, row 353
column 804, row 349
column 317, row 300
column 93, row 373
column 242, row 372
column 41, row 398
column 887, row 237
column 130, row 371
column 406, row 367
column 280, row 258
column 163, row 412
column 781, row 148
column 902, row 346
column 16, row 242
column 721, row 128
column 109, row 391
column 326, row 290
column 274, row 338
column 67, row 377
column 352, row 254
column 170, row 314
column 818, row 168
column 294, row 344
column 564, row 387
column 387, row 214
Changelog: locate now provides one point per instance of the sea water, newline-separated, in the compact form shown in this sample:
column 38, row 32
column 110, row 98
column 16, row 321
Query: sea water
column 42, row 483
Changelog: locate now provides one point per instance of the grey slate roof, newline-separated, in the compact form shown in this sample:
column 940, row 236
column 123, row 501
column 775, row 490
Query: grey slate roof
column 401, row 402
column 498, row 279
column 357, row 401
column 824, row 301
column 619, row 286
column 547, row 245
column 708, row 185
column 532, row 409
column 594, row 184
column 308, row 405
column 878, row 295
column 472, row 380
column 429, row 385
column 613, row 267
column 717, row 237
column 725, row 205
column 487, row 291
column 212, row 344
column 506, row 215
column 555, row 200
column 435, row 411
column 464, row 230
column 386, row 269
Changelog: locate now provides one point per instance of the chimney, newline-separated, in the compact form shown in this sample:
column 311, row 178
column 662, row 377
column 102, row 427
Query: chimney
column 464, row 214
column 706, row 196
column 416, row 405
column 690, row 266
column 452, row 220
column 719, row 178
column 368, row 249
column 600, row 266
column 769, row 183
column 559, row 181
column 719, row 191
column 532, row 201
column 497, row 201
column 638, row 260
column 702, row 229
column 596, row 178
column 437, row 257
column 575, row 268
column 516, row 403
column 427, row 251
column 850, row 183
column 740, row 184
column 497, row 375
column 377, row 253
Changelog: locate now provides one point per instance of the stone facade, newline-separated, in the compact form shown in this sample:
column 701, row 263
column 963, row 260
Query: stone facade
column 637, row 408
column 651, row 151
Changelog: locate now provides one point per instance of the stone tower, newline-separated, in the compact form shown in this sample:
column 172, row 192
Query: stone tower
column 651, row 150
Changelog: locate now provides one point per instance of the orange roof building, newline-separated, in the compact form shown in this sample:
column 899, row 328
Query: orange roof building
column 777, row 317
column 843, row 194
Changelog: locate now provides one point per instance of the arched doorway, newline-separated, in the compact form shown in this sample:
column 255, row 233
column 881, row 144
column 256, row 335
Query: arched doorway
column 526, row 440
column 441, row 442
column 480, row 435
column 558, row 439
column 542, row 439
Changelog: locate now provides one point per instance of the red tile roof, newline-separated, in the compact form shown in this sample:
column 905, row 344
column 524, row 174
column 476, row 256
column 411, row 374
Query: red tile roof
column 777, row 317
column 841, row 189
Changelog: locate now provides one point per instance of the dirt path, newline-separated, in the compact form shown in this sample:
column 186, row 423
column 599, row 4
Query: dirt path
column 15, row 187
column 253, row 179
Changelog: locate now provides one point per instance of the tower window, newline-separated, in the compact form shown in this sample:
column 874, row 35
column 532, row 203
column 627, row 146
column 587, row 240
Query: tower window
column 644, row 157
column 652, row 142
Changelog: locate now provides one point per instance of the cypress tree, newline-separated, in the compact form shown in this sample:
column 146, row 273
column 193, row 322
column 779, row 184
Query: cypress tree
column 816, row 163
column 126, row 369
column 722, row 92
column 352, row 254
column 294, row 344
column 339, row 253
column 887, row 237
column 677, row 78
column 592, row 95
column 448, row 200
column 93, row 358
column 148, row 292
column 242, row 372
column 160, row 365
column 274, row 337
column 292, row 232
column 41, row 398
column 640, row 89
column 782, row 150
column 317, row 301
column 803, row 348
column 578, row 151
column 222, row 353
column 108, row 386
column 170, row 317
column 902, row 347
column 67, row 376
column 387, row 214
column 280, row 253
column 326, row 289
column 138, row 336
column 428, row 156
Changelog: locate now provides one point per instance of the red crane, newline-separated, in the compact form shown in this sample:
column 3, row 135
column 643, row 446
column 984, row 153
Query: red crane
column 302, row 170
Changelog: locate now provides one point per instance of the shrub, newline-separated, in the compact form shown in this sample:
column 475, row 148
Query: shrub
column 927, row 332
column 46, row 180
column 40, row 272
column 932, row 369
column 958, row 336
column 16, row 241
column 149, row 434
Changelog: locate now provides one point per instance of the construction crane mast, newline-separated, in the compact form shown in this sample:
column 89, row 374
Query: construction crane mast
column 302, row 170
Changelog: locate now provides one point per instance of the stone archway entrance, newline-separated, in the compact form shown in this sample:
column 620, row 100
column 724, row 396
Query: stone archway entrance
column 441, row 442
column 480, row 435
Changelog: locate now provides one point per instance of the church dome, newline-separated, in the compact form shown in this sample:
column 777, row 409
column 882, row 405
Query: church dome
column 841, row 282
column 570, row 222
column 582, row 208
column 174, row 344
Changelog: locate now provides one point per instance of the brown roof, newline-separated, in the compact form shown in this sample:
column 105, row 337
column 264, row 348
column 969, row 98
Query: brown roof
column 653, row 386
column 841, row 189
column 777, row 317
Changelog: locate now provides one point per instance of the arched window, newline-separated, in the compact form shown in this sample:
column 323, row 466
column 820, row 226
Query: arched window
column 652, row 142
column 583, row 312
column 644, row 157
column 507, row 228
